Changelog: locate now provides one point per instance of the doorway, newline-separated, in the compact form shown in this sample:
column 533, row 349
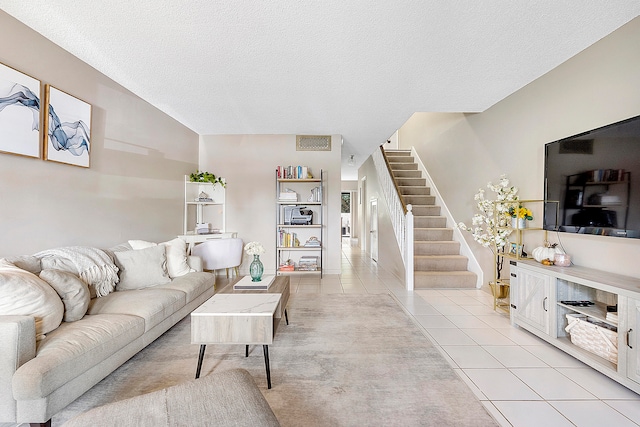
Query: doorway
column 373, row 229
column 346, row 214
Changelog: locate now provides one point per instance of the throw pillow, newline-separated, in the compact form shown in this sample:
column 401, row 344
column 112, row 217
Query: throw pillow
column 26, row 262
column 73, row 291
column 176, row 255
column 25, row 294
column 142, row 268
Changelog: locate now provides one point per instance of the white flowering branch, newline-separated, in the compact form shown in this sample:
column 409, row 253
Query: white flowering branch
column 490, row 226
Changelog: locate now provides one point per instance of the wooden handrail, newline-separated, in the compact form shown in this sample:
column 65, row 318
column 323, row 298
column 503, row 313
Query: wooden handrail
column 393, row 178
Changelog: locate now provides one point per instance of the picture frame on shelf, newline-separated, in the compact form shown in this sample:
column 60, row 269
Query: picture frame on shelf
column 67, row 121
column 517, row 250
column 19, row 113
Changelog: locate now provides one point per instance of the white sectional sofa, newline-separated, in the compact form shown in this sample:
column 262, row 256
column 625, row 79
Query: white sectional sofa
column 49, row 360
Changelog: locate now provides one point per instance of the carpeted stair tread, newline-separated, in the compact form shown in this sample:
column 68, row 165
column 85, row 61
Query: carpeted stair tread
column 414, row 190
column 445, row 247
column 440, row 262
column 444, row 279
column 432, row 233
column 407, row 174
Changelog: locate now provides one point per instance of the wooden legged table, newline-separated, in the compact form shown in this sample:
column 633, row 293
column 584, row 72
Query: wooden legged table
column 241, row 317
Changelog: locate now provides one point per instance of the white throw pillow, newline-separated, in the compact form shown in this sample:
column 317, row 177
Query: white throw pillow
column 73, row 291
column 25, row 294
column 142, row 268
column 176, row 255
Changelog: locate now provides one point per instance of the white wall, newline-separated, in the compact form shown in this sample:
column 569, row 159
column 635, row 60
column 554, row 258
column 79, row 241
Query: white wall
column 389, row 255
column 248, row 163
column 139, row 156
column 465, row 151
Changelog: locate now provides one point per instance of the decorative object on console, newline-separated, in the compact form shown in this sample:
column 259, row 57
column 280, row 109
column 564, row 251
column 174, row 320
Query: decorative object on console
column 255, row 268
column 201, row 176
column 546, row 252
column 67, row 120
column 562, row 260
column 19, row 104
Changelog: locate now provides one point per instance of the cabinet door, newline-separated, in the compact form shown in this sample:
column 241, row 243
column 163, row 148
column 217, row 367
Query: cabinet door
column 632, row 340
column 532, row 299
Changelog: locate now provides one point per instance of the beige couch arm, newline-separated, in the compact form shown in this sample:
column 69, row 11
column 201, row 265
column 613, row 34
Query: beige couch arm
column 17, row 346
column 195, row 262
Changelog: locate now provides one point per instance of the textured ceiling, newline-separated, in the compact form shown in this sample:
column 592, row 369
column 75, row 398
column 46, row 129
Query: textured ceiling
column 357, row 68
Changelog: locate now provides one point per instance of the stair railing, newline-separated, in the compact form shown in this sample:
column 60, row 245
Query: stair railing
column 401, row 214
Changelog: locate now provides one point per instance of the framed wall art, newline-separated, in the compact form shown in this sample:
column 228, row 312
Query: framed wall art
column 19, row 113
column 68, row 128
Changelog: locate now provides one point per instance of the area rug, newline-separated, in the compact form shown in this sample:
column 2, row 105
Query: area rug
column 343, row 360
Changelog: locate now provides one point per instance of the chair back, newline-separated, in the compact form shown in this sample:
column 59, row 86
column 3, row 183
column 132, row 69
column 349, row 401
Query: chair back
column 219, row 253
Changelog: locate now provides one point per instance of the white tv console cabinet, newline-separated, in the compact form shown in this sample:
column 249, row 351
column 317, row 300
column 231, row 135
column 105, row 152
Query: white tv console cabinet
column 536, row 294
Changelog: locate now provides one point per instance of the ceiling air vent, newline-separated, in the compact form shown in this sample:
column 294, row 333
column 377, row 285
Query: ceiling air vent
column 313, row 142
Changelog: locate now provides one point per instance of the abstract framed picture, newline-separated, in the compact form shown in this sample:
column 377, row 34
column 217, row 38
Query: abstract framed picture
column 68, row 128
column 19, row 113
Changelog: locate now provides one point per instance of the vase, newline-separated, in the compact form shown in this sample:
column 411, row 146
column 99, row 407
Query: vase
column 519, row 223
column 256, row 269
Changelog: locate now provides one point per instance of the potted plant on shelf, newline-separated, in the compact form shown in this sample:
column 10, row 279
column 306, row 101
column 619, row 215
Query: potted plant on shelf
column 201, row 176
column 490, row 226
column 519, row 216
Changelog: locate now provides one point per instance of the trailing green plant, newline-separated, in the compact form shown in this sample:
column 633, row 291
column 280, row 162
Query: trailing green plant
column 201, row 176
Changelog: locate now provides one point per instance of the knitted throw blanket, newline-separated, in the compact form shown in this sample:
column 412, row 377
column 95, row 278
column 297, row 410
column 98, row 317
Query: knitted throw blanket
column 92, row 265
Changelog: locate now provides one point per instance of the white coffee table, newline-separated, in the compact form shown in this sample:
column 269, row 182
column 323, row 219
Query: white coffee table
column 228, row 318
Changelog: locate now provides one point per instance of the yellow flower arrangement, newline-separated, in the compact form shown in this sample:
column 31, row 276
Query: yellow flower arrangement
column 521, row 213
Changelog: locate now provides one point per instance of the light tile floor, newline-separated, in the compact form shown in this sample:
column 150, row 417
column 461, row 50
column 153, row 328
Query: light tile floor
column 520, row 379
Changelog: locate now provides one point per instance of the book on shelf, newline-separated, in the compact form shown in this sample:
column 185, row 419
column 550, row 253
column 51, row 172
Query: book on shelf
column 294, row 172
column 612, row 317
column 247, row 284
column 316, row 195
column 287, row 240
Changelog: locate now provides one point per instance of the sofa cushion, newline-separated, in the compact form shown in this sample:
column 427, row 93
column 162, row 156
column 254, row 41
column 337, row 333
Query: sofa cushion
column 192, row 284
column 176, row 250
column 24, row 293
column 26, row 262
column 73, row 292
column 72, row 349
column 153, row 305
column 142, row 268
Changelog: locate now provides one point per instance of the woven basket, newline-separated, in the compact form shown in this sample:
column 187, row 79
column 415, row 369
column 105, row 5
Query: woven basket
column 600, row 341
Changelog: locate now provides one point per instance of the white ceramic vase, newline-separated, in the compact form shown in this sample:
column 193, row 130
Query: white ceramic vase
column 518, row 223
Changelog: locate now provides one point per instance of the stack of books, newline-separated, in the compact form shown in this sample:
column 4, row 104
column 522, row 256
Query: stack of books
column 308, row 263
column 288, row 196
column 313, row 242
column 202, row 228
column 612, row 317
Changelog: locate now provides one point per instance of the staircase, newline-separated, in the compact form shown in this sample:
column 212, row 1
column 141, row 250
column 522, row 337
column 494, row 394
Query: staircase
column 437, row 260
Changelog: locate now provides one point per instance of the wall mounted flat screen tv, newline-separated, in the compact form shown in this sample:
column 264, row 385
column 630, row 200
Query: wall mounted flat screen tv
column 595, row 179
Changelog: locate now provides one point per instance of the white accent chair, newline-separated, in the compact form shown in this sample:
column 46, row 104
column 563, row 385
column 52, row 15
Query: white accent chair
column 220, row 253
